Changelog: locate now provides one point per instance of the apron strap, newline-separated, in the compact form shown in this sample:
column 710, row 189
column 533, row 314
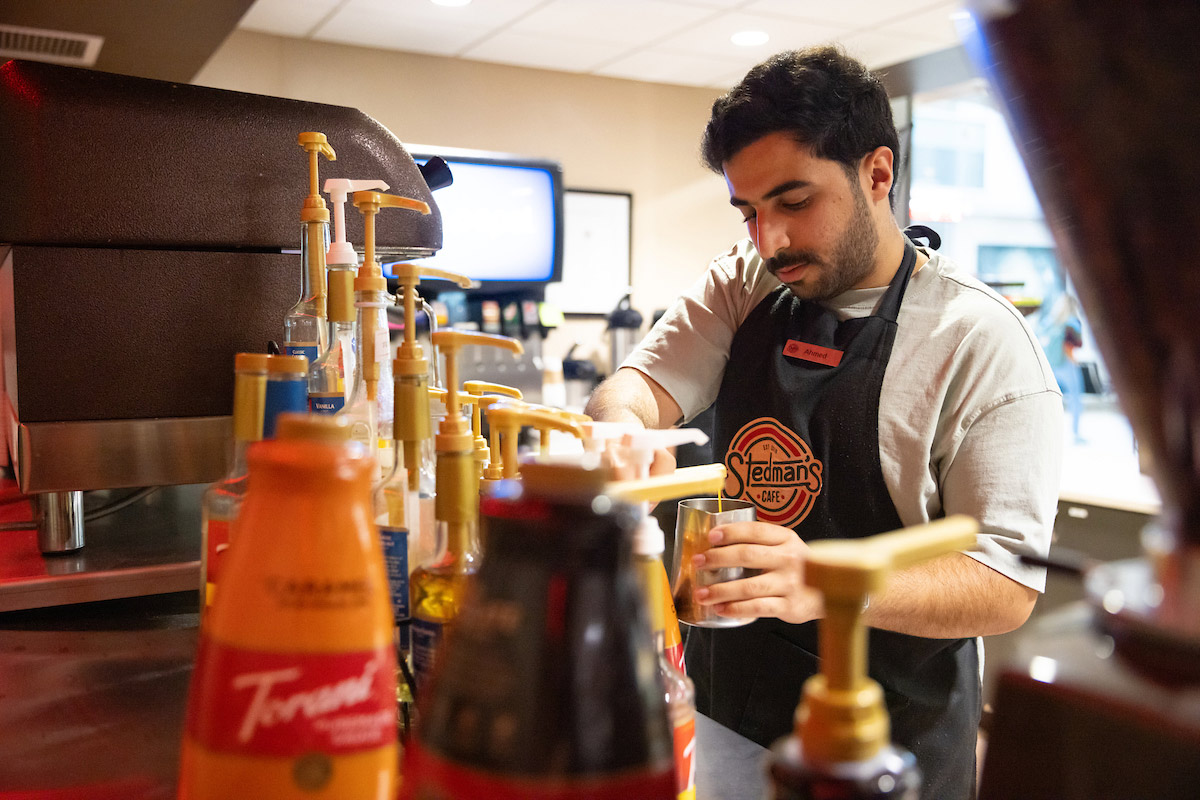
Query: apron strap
column 932, row 240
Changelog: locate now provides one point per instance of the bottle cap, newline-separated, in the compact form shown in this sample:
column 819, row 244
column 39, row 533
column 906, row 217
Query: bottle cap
column 250, row 362
column 312, row 427
column 287, row 365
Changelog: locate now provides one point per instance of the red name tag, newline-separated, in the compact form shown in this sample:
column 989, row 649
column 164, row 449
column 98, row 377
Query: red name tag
column 811, row 352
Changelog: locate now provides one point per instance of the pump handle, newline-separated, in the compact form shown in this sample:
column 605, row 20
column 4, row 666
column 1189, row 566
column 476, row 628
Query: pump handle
column 411, row 274
column 483, row 387
column 369, row 200
column 842, row 567
column 704, row 479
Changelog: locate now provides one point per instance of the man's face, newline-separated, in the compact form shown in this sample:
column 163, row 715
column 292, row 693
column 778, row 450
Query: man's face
column 807, row 216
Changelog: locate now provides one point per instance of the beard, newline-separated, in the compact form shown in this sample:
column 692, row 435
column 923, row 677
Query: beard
column 852, row 260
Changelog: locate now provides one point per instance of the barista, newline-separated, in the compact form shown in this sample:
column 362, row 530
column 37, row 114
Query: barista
column 861, row 383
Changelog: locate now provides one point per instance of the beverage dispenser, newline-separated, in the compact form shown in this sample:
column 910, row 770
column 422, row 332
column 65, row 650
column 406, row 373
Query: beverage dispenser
column 148, row 232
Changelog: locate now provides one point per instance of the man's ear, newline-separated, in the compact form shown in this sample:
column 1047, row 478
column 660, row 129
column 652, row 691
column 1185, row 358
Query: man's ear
column 877, row 174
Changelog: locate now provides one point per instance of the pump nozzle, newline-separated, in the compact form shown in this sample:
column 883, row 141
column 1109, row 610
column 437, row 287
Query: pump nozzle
column 368, row 204
column 841, row 715
column 704, row 479
column 508, row 418
column 370, row 278
column 315, row 144
column 483, row 394
column 341, row 251
column 454, row 434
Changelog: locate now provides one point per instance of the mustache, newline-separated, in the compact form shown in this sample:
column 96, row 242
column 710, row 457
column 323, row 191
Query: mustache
column 790, row 259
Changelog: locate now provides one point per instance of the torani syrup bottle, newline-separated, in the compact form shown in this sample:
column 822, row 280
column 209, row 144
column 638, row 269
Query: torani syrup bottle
column 548, row 688
column 294, row 692
column 841, row 748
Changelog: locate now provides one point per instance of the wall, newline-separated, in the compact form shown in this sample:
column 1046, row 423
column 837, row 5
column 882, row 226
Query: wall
column 608, row 133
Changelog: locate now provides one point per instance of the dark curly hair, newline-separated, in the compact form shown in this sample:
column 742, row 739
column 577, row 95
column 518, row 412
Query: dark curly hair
column 825, row 99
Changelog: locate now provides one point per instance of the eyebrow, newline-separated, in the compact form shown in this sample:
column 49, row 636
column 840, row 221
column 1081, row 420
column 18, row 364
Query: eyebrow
column 782, row 188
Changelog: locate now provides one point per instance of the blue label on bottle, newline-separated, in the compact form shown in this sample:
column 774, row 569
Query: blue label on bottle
column 426, row 638
column 283, row 396
column 309, row 351
column 395, row 560
column 326, row 403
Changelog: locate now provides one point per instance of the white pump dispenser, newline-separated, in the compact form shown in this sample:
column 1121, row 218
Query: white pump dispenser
column 339, row 189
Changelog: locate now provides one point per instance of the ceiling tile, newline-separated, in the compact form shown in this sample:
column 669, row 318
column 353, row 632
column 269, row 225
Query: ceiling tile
column 936, row 25
column 293, row 18
column 659, row 67
column 881, row 50
column 485, row 13
column 628, row 22
column 847, row 13
column 543, row 52
column 712, row 38
column 359, row 26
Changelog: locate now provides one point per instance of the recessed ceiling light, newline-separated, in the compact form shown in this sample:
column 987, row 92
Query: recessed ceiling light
column 749, row 38
column 450, row 3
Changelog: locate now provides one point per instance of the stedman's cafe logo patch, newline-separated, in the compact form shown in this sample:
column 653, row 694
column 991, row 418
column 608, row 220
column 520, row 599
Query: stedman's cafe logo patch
column 774, row 468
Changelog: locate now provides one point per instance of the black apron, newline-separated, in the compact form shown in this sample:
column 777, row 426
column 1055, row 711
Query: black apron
column 797, row 419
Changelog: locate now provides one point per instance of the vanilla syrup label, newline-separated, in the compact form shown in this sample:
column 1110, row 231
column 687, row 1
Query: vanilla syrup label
column 256, row 703
column 326, row 402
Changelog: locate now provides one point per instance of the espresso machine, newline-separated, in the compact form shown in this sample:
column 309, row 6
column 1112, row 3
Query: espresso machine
column 148, row 232
column 1103, row 98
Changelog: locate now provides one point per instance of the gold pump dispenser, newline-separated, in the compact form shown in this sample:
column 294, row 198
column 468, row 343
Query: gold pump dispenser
column 304, row 324
column 508, row 417
column 483, row 394
column 411, row 370
column 372, row 299
column 439, row 588
column 841, row 718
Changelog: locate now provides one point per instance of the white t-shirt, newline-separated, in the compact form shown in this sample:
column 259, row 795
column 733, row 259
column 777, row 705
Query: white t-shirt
column 970, row 415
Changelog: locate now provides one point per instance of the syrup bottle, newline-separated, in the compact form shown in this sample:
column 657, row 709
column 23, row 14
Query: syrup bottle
column 506, row 419
column 841, row 746
column 414, row 377
column 331, row 375
column 439, row 588
column 294, row 692
column 548, row 688
column 369, row 406
column 648, row 546
column 304, row 331
column 223, row 500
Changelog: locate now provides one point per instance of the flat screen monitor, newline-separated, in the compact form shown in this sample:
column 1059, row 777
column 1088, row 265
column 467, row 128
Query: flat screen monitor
column 502, row 219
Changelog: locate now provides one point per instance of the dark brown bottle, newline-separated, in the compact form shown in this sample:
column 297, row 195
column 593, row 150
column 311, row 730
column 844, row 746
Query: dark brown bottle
column 547, row 686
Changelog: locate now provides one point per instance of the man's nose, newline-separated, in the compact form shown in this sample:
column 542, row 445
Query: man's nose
column 771, row 236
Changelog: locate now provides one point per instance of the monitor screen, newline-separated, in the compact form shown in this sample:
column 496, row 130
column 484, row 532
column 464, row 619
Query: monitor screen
column 501, row 220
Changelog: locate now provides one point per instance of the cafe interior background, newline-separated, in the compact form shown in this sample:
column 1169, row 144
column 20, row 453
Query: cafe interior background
column 617, row 92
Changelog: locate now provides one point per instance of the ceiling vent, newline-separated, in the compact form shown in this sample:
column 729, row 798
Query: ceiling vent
column 57, row 47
